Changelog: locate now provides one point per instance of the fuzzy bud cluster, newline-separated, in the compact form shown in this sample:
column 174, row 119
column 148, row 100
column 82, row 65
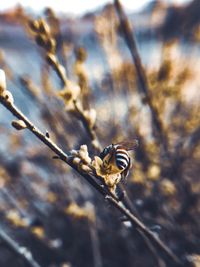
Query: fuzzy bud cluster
column 42, row 34
column 82, row 159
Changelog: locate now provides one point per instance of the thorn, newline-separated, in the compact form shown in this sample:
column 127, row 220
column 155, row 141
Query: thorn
column 107, row 197
column 124, row 219
column 55, row 157
column 155, row 228
column 47, row 134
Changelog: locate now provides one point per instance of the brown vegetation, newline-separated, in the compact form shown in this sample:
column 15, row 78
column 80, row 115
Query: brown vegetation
column 50, row 217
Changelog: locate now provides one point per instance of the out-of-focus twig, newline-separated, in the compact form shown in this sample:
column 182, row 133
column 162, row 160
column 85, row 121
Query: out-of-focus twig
column 91, row 132
column 44, row 38
column 21, row 252
column 142, row 79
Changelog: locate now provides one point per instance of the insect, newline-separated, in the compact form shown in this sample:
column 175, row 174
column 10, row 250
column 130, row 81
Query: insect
column 116, row 161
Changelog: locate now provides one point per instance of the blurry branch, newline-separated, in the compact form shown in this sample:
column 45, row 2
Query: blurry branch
column 129, row 205
column 154, row 252
column 31, row 88
column 84, row 120
column 193, row 141
column 94, row 236
column 71, row 91
column 145, row 231
column 21, row 252
column 48, row 114
column 88, row 212
column 7, row 101
column 142, row 79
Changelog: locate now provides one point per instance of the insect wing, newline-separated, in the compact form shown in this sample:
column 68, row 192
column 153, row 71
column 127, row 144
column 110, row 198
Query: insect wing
column 129, row 145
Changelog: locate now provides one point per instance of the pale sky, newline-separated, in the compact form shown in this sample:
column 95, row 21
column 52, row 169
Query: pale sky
column 76, row 6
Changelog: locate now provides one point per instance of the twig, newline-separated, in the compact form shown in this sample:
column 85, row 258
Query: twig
column 45, row 39
column 22, row 252
column 143, row 84
column 141, row 227
column 128, row 204
column 102, row 190
column 95, row 244
column 89, row 130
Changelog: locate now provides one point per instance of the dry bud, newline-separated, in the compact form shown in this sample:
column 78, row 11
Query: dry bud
column 8, row 96
column 41, row 40
column 83, row 148
column 74, row 152
column 44, row 27
column 38, row 231
column 81, row 54
column 51, row 59
column 51, row 45
column 84, row 155
column 76, row 211
column 81, row 158
column 14, row 217
column 76, row 161
column 34, row 25
column 69, row 94
column 85, row 168
column 154, row 172
column 19, row 125
column 167, row 187
column 2, row 81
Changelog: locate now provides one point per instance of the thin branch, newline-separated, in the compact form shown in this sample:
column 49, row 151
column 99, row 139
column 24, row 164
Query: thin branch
column 102, row 190
column 142, row 228
column 21, row 252
column 142, row 79
column 128, row 204
column 45, row 39
column 95, row 244
column 91, row 132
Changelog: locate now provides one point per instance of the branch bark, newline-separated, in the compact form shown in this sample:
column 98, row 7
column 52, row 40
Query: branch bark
column 143, row 87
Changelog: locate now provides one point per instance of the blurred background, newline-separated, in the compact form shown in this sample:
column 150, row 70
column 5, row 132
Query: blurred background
column 46, row 207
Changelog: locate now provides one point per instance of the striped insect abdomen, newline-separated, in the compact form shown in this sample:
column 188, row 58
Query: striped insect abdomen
column 122, row 158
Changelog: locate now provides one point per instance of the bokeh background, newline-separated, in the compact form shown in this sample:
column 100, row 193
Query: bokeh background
column 46, row 207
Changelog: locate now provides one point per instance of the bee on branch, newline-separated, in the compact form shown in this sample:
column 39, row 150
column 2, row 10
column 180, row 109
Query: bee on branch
column 114, row 162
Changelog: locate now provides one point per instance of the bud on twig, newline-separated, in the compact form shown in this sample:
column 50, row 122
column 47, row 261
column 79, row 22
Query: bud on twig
column 44, row 27
column 2, row 81
column 51, row 59
column 8, row 96
column 19, row 125
column 41, row 40
column 34, row 25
